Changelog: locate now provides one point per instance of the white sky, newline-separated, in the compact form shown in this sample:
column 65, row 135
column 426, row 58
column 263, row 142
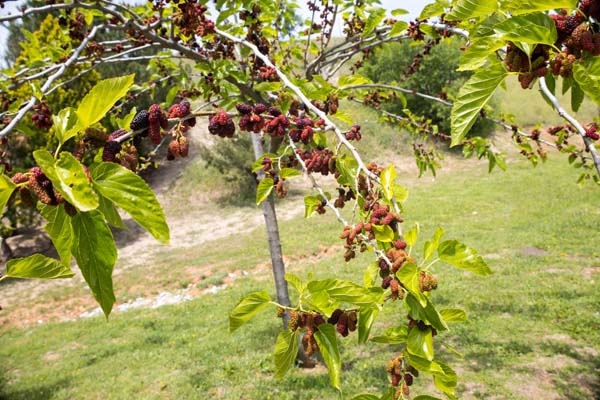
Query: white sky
column 414, row 6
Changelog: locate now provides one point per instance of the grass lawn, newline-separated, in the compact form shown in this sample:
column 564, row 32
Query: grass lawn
column 533, row 329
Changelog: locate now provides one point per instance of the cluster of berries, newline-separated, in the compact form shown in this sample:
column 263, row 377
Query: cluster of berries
column 279, row 123
column 178, row 147
column 320, row 160
column 251, row 119
column 40, row 185
column 221, row 125
column 354, row 133
column 343, row 197
column 191, row 19
column 592, row 131
column 303, row 130
column 310, row 322
column 402, row 375
column 42, row 116
column 382, row 215
column 77, row 27
column 427, row 282
column 516, row 60
column 344, row 321
column 157, row 119
column 268, row 74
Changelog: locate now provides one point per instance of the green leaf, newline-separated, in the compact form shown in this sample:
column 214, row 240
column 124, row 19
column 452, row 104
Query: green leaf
column 247, row 308
column 427, row 313
column 376, row 15
column 371, row 274
column 465, row 9
column 264, row 190
column 431, row 246
column 366, row 318
column 409, row 277
column 60, row 231
column 365, row 397
column 287, row 173
column 398, row 28
column 462, row 256
column 311, row 203
column 69, row 178
column 423, row 365
column 327, row 341
column 37, row 266
column 108, row 209
column 101, row 98
column 434, row 9
column 476, row 55
column 387, row 179
column 352, row 80
column 453, row 315
column 590, row 86
column 412, row 235
column 7, row 187
column 517, row 7
column 95, row 251
column 399, row 11
column 347, row 167
column 473, row 95
column 447, row 381
column 348, row 292
column 577, row 95
column 420, row 343
column 286, row 349
column 396, row 335
column 267, row 86
column 128, row 191
column 383, row 233
column 400, row 192
column 64, row 123
column 296, row 282
column 531, row 28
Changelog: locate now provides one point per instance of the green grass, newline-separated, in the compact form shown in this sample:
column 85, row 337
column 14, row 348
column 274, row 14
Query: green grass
column 533, row 326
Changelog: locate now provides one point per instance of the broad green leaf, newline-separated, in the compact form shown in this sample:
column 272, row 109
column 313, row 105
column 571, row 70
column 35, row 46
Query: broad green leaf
column 371, row 274
column 37, row 266
column 376, row 15
column 473, row 95
column 286, row 349
column 108, row 209
column 351, row 80
column 399, row 11
column 264, row 190
column 412, row 235
column 462, row 256
column 517, row 7
column 366, row 318
column 311, row 203
column 409, row 277
column 101, row 98
column 287, row 173
column 398, row 28
column 351, row 293
column 267, row 86
column 95, row 251
column 128, row 191
column 531, row 29
column 296, row 282
column 69, row 178
column 397, row 335
column 590, row 86
column 387, row 180
column 64, row 123
column 7, row 187
column 365, row 397
column 447, row 381
column 453, row 315
column 247, row 308
column 577, row 94
column 390, row 394
column 434, row 9
column 59, row 229
column 431, row 246
column 347, row 167
column 427, row 313
column 383, row 233
column 477, row 54
column 328, row 346
column 420, row 343
column 465, row 9
column 423, row 365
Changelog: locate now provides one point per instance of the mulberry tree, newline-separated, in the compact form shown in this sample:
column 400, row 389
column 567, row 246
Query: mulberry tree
column 245, row 67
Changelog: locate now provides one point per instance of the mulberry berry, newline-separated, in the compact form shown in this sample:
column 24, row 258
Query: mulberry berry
column 117, row 134
column 221, row 124
column 140, row 121
column 111, row 149
column 335, row 316
column 19, row 178
column 243, row 109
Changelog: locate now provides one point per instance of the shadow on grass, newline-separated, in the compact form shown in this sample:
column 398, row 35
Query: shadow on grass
column 582, row 380
column 34, row 392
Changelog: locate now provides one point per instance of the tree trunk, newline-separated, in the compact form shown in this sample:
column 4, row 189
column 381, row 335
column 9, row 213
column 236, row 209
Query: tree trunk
column 278, row 266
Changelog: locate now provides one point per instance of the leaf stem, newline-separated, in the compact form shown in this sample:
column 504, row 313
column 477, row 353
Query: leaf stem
column 431, row 264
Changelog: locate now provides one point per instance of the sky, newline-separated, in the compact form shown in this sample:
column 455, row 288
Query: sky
column 414, row 6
